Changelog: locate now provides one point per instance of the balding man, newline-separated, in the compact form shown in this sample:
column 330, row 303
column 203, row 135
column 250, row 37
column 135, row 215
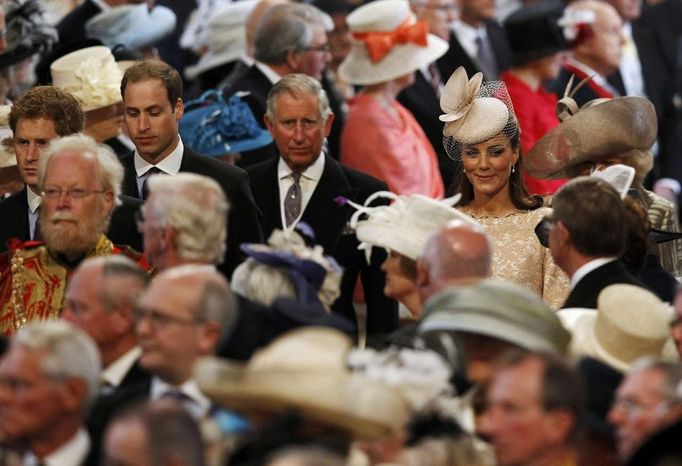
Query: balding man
column 458, row 254
column 597, row 55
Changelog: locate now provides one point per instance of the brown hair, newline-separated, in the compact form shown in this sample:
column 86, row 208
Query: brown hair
column 50, row 103
column 155, row 70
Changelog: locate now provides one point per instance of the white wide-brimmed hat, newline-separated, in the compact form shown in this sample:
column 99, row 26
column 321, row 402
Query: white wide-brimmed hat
column 629, row 323
column 305, row 369
column 223, row 36
column 406, row 224
column 388, row 43
column 7, row 155
column 133, row 26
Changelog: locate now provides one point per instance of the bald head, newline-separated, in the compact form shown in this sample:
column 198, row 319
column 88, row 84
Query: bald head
column 253, row 20
column 458, row 253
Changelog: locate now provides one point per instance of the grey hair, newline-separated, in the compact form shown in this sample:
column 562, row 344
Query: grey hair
column 195, row 206
column 261, row 283
column 672, row 376
column 298, row 85
column 69, row 352
column 119, row 267
column 109, row 169
column 287, row 27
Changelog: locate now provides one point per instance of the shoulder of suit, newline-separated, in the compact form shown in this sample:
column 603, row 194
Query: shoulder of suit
column 363, row 180
column 211, row 167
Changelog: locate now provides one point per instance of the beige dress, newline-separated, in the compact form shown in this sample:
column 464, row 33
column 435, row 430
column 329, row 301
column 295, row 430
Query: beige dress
column 663, row 216
column 519, row 257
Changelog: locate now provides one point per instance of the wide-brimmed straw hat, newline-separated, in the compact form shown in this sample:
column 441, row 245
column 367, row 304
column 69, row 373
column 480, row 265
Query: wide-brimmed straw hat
column 502, row 310
column 305, row 370
column 406, row 224
column 133, row 26
column 7, row 155
column 603, row 128
column 388, row 43
column 630, row 322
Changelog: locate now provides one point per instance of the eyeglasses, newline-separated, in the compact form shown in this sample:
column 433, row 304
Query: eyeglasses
column 543, row 229
column 159, row 319
column 324, row 48
column 73, row 193
column 630, row 406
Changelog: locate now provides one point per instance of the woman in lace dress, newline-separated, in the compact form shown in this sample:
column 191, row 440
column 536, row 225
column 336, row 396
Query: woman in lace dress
column 481, row 130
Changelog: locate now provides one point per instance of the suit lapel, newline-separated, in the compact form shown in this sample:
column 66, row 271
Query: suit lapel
column 265, row 188
column 129, row 186
column 326, row 217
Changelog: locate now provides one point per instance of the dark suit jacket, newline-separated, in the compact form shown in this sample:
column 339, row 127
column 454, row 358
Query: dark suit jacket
column 421, row 100
column 122, row 228
column 584, row 94
column 243, row 218
column 72, row 26
column 456, row 56
column 329, row 222
column 587, row 290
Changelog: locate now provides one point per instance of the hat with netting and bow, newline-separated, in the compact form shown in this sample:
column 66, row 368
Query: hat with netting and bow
column 475, row 111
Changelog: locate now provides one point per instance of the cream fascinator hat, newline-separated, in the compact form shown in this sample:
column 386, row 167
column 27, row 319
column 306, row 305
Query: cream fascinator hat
column 475, row 111
column 388, row 43
column 602, row 128
column 630, row 322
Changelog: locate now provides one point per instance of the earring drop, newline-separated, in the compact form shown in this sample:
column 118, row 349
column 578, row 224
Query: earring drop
column 513, row 168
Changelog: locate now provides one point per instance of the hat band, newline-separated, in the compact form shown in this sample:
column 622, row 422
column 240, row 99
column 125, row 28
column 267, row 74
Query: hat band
column 379, row 43
column 100, row 114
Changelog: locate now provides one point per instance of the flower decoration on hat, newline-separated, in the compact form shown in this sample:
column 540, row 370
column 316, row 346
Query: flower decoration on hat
column 457, row 98
column 99, row 83
column 577, row 25
column 379, row 43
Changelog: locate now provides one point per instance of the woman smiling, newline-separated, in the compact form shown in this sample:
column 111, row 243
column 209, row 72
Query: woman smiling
column 482, row 132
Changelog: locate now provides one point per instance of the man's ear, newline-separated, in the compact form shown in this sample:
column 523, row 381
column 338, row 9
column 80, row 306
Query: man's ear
column 269, row 124
column 210, row 335
column 422, row 273
column 293, row 60
column 558, row 425
column 328, row 124
column 179, row 109
column 73, row 393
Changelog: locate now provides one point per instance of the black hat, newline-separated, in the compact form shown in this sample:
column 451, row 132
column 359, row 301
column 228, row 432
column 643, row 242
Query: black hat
column 27, row 32
column 534, row 32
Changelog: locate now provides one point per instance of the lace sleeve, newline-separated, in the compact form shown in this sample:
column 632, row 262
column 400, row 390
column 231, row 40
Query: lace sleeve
column 555, row 287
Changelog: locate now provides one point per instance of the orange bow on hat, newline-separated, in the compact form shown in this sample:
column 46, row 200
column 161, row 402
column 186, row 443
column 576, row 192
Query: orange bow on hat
column 379, row 43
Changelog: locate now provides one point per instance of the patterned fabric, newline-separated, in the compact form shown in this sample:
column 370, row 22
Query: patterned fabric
column 663, row 216
column 292, row 202
column 519, row 257
column 32, row 282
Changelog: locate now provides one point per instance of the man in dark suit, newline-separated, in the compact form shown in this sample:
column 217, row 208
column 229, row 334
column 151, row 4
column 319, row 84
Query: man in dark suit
column 422, row 98
column 40, row 115
column 293, row 25
column 304, row 184
column 151, row 93
column 477, row 42
column 597, row 55
column 100, row 300
column 588, row 237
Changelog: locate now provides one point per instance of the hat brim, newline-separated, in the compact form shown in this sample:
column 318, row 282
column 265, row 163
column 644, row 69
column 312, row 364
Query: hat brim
column 599, row 131
column 479, row 322
column 329, row 397
column 358, row 69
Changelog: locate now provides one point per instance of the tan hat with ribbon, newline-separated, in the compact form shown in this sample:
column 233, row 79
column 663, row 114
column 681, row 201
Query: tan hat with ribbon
column 630, row 322
column 388, row 42
column 305, row 370
column 600, row 129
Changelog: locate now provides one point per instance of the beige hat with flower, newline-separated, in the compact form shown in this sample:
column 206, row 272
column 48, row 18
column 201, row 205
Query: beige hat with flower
column 305, row 369
column 388, row 42
column 630, row 322
column 7, row 156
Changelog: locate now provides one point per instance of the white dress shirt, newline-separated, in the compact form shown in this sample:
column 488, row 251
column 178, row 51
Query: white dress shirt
column 169, row 165
column 466, row 36
column 33, row 204
column 115, row 372
column 587, row 268
column 308, row 181
column 72, row 453
column 269, row 73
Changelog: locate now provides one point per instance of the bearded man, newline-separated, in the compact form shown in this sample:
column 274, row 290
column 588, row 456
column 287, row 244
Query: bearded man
column 80, row 181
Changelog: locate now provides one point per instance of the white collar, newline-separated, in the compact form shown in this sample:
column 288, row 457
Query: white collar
column 313, row 172
column 269, row 73
column 188, row 388
column 115, row 372
column 33, row 200
column 101, row 4
column 587, row 268
column 72, row 453
column 169, row 165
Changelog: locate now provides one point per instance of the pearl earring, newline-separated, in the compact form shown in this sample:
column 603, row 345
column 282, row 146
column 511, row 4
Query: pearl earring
column 513, row 168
